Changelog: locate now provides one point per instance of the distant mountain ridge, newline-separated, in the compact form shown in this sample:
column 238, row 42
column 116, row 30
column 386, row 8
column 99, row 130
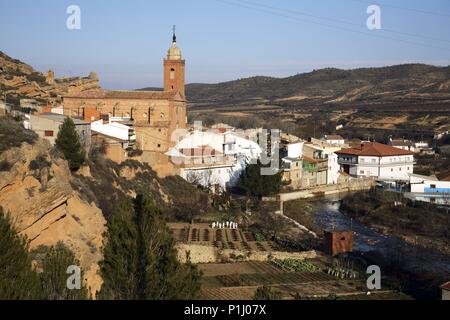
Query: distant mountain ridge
column 330, row 85
column 404, row 83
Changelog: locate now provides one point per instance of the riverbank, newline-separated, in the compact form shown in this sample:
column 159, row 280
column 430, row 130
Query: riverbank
column 417, row 268
column 389, row 213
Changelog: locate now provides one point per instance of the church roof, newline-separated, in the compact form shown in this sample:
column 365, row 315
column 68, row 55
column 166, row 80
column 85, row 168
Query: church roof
column 123, row 94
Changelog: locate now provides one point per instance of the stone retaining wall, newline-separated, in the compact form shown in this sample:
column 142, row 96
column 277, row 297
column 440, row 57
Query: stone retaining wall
column 210, row 254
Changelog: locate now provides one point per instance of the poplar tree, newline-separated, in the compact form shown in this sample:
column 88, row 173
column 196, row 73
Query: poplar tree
column 140, row 259
column 68, row 142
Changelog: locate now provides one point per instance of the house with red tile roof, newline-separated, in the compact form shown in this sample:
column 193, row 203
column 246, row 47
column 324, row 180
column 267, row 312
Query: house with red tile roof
column 446, row 291
column 380, row 161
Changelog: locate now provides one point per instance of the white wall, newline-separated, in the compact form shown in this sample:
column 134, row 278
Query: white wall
column 333, row 168
column 115, row 130
column 419, row 185
column 295, row 150
column 336, row 142
column 247, row 148
column 221, row 176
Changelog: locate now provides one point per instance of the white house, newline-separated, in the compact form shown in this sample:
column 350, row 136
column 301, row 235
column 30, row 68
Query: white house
column 114, row 129
column 402, row 144
column 214, row 158
column 373, row 159
column 427, row 184
column 334, row 139
column 329, row 150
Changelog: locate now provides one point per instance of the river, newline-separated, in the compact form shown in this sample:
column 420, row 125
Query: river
column 412, row 258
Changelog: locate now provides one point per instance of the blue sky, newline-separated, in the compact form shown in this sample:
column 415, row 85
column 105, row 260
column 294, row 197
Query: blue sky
column 125, row 41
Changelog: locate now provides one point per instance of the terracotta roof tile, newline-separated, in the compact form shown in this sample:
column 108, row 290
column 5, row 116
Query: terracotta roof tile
column 334, row 137
column 125, row 94
column 375, row 149
column 446, row 286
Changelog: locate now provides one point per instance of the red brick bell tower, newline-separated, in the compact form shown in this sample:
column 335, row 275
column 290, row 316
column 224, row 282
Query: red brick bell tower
column 174, row 65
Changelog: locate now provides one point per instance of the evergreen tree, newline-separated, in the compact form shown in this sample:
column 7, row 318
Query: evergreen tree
column 266, row 293
column 56, row 260
column 140, row 259
column 18, row 280
column 256, row 184
column 69, row 143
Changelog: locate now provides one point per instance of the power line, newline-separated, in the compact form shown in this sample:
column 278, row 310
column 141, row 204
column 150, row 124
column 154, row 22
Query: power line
column 341, row 21
column 331, row 26
column 404, row 8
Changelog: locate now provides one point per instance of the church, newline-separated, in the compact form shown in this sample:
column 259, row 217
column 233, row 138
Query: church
column 154, row 115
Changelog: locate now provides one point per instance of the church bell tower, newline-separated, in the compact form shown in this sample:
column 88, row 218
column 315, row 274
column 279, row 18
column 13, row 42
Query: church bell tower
column 174, row 66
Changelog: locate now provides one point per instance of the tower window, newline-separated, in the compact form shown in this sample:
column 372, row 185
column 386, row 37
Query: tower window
column 172, row 74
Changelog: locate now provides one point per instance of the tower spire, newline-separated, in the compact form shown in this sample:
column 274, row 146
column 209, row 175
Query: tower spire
column 174, row 38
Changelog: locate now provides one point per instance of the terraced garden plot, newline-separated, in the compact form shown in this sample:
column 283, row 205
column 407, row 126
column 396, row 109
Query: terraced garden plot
column 219, row 238
column 237, row 293
column 240, row 281
column 264, row 267
column 284, row 278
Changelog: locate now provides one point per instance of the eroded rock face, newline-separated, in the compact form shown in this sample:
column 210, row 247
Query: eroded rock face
column 37, row 193
column 19, row 79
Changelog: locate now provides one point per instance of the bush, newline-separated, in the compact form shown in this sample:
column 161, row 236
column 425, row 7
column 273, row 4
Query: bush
column 39, row 163
column 12, row 134
column 256, row 184
column 5, row 165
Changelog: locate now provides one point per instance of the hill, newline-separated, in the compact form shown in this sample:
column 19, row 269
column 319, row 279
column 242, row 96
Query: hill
column 19, row 80
column 333, row 86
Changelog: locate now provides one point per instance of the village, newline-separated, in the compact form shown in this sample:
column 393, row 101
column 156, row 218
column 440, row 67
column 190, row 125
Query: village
column 151, row 127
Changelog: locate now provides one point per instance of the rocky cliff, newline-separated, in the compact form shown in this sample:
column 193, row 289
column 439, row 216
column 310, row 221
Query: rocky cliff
column 49, row 204
column 19, row 80
column 37, row 192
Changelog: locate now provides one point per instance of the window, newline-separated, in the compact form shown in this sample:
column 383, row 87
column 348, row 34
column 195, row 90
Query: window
column 432, row 186
column 361, row 172
column 172, row 74
column 48, row 133
column 159, row 145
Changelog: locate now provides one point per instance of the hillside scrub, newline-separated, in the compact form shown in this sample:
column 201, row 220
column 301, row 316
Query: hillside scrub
column 13, row 134
column 110, row 183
